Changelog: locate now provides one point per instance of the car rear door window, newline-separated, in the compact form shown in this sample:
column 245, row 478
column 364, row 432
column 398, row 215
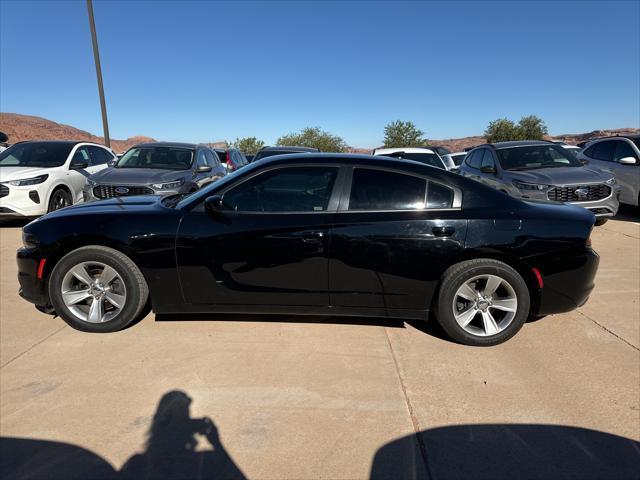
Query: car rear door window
column 439, row 196
column 299, row 189
column 622, row 150
column 603, row 151
column 384, row 190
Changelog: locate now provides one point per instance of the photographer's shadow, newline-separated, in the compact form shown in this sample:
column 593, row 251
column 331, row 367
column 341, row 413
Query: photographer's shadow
column 171, row 447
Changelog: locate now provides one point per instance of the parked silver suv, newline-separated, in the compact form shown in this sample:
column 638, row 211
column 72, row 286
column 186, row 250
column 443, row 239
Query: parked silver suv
column 620, row 156
column 543, row 171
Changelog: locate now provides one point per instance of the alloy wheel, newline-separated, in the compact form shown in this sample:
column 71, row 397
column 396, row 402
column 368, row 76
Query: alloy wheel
column 59, row 201
column 485, row 305
column 94, row 292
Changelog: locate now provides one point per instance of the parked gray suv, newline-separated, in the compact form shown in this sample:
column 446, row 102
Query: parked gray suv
column 159, row 168
column 544, row 171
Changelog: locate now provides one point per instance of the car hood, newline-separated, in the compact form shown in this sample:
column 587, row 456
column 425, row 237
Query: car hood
column 17, row 173
column 560, row 175
column 136, row 203
column 137, row 176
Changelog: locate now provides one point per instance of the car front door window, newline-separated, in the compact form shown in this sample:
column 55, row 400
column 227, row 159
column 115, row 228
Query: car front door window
column 623, row 150
column 603, row 151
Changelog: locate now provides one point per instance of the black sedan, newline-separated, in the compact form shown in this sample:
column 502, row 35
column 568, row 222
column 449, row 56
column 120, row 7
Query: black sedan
column 316, row 234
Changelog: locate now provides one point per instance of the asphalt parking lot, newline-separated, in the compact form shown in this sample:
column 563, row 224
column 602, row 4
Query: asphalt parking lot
column 298, row 398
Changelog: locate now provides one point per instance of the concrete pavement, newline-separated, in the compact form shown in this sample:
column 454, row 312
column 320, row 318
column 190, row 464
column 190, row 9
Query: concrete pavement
column 298, row 398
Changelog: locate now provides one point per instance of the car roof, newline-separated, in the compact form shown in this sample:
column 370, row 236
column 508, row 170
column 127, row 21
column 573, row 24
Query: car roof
column 168, row 144
column 386, row 151
column 516, row 143
column 288, row 149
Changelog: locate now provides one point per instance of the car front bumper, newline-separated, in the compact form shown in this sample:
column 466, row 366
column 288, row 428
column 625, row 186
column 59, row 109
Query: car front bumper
column 27, row 201
column 605, row 207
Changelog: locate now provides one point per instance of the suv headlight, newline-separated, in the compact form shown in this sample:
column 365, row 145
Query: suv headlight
column 28, row 181
column 529, row 186
column 168, row 185
column 611, row 181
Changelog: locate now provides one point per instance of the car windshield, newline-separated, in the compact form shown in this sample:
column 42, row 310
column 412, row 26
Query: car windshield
column 164, row 158
column 426, row 158
column 36, row 154
column 536, row 156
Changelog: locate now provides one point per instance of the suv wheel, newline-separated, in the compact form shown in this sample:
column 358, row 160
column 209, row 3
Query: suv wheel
column 97, row 289
column 60, row 198
column 482, row 302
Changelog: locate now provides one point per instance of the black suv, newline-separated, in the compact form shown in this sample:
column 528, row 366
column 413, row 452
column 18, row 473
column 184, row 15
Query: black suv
column 265, row 152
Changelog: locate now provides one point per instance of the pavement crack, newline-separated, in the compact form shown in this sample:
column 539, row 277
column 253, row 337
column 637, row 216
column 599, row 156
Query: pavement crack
column 609, row 331
column 414, row 420
column 33, row 346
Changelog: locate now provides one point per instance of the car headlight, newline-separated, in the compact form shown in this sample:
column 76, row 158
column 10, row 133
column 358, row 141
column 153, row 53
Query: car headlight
column 611, row 181
column 91, row 183
column 168, row 185
column 28, row 181
column 29, row 240
column 529, row 186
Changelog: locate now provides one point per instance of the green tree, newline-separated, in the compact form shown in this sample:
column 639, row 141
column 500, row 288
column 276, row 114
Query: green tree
column 501, row 130
column 249, row 145
column 314, row 137
column 531, row 128
column 403, row 134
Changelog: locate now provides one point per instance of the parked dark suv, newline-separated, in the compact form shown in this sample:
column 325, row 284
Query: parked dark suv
column 159, row 168
column 265, row 152
column 232, row 158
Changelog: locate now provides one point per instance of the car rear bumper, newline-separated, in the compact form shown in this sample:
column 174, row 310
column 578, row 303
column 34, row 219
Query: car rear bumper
column 568, row 280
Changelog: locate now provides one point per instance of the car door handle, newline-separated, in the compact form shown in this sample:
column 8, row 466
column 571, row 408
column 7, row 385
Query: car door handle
column 443, row 231
column 312, row 237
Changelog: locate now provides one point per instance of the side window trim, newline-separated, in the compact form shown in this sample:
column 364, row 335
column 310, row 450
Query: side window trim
column 343, row 207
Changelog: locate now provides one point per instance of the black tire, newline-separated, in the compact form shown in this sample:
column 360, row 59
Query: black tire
column 60, row 198
column 601, row 221
column 137, row 291
column 460, row 273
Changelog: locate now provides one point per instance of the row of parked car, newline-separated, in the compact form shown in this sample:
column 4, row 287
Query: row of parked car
column 37, row 177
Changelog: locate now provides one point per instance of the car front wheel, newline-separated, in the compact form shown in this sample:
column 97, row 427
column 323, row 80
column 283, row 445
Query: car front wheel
column 97, row 289
column 482, row 302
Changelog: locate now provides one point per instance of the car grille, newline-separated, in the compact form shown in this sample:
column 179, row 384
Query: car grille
column 4, row 191
column 579, row 193
column 110, row 191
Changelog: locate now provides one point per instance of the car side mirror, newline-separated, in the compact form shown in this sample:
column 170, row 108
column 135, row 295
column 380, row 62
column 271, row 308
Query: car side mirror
column 628, row 161
column 78, row 165
column 488, row 169
column 203, row 168
column 213, row 206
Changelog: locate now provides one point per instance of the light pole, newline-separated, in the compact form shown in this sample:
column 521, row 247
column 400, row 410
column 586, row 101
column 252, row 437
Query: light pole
column 96, row 58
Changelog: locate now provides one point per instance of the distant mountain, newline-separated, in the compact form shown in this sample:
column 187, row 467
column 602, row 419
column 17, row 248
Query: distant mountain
column 26, row 127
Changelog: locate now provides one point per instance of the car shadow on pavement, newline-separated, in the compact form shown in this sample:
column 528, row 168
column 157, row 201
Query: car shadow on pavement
column 18, row 222
column 508, row 451
column 628, row 213
column 170, row 452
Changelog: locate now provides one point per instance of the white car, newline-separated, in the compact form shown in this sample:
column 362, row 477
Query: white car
column 38, row 177
column 572, row 149
column 454, row 160
column 422, row 155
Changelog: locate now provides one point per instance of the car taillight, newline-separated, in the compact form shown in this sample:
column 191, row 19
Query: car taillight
column 229, row 164
column 538, row 275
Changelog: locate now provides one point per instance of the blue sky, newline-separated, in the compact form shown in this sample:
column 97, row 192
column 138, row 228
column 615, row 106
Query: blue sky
column 206, row 71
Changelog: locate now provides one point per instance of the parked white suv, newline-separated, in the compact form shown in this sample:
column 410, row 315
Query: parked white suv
column 37, row 177
column 619, row 156
column 422, row 155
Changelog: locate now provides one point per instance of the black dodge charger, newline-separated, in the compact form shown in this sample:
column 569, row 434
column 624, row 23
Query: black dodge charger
column 327, row 234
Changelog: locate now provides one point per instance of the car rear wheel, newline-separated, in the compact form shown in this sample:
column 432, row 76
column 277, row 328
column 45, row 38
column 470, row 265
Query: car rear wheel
column 60, row 198
column 97, row 289
column 482, row 302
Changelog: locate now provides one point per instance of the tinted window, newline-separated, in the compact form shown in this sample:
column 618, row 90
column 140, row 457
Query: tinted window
column 202, row 159
column 603, row 151
column 589, row 151
column 165, row 158
column 487, row 159
column 382, row 190
column 457, row 159
column 301, row 189
column 210, row 158
column 622, row 150
column 536, row 156
column 38, row 154
column 426, row 158
column 439, row 196
column 99, row 156
column 81, row 155
column 475, row 158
